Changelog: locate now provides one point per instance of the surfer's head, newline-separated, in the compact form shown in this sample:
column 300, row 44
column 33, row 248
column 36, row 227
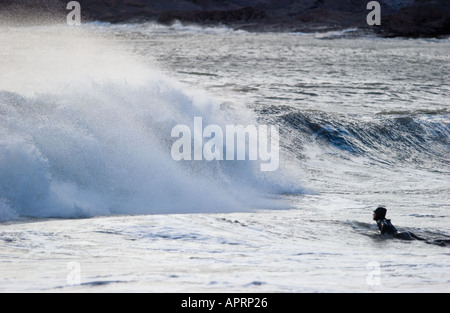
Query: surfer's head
column 379, row 213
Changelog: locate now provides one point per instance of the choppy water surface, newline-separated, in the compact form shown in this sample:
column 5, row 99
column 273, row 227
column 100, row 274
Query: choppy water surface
column 85, row 122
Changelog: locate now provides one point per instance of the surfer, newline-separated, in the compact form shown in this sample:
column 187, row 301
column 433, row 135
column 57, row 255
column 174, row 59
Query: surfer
column 388, row 230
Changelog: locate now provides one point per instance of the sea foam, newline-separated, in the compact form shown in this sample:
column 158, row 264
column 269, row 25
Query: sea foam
column 85, row 130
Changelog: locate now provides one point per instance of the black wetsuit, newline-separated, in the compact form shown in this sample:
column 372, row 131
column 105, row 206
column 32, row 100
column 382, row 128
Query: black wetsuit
column 387, row 229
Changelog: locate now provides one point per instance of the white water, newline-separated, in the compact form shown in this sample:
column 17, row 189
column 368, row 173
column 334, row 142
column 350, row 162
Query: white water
column 85, row 131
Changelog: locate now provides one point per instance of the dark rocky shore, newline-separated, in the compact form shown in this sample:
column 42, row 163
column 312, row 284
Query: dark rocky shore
column 405, row 18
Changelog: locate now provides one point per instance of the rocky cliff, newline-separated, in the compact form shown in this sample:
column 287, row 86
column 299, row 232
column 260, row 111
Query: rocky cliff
column 409, row 18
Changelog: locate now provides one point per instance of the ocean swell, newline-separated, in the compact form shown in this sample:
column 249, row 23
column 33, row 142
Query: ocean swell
column 421, row 140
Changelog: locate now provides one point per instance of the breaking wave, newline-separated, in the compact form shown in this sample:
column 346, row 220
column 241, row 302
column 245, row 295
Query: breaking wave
column 85, row 130
column 420, row 139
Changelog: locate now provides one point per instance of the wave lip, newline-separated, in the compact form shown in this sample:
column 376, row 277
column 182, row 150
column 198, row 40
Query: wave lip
column 417, row 139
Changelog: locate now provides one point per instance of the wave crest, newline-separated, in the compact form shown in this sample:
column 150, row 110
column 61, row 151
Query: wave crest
column 96, row 139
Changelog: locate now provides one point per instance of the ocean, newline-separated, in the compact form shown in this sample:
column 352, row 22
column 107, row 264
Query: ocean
column 92, row 200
